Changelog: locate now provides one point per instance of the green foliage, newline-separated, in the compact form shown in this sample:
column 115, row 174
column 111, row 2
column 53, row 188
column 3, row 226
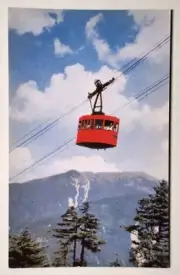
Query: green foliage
column 25, row 252
column 152, row 227
column 89, row 226
column 66, row 234
column 116, row 262
column 76, row 229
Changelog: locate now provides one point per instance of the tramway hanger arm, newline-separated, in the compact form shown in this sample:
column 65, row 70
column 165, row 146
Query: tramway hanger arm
column 100, row 87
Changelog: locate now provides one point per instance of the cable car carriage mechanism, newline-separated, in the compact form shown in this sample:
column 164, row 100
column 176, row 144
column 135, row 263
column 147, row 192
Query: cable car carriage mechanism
column 98, row 131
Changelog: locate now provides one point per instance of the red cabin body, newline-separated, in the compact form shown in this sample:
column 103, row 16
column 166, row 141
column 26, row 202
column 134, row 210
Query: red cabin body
column 98, row 131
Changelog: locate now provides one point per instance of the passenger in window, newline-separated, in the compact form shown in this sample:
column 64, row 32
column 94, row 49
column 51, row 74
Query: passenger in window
column 84, row 124
column 79, row 126
column 88, row 125
column 92, row 124
column 108, row 127
column 105, row 127
column 116, row 128
column 98, row 125
column 111, row 126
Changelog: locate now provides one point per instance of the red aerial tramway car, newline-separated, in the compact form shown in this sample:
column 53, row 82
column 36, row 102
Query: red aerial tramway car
column 98, row 131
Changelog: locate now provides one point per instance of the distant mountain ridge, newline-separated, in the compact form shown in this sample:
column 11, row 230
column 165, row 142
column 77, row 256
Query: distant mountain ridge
column 89, row 173
column 39, row 204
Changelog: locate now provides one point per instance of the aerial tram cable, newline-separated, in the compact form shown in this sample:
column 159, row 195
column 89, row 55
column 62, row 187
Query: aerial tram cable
column 27, row 134
column 33, row 129
column 145, row 92
column 141, row 95
column 40, row 160
column 98, row 130
column 53, row 123
column 48, row 127
column 40, row 125
column 144, row 57
column 73, row 139
column 145, row 96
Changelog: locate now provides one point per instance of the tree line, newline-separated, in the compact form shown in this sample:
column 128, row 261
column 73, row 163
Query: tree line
column 78, row 230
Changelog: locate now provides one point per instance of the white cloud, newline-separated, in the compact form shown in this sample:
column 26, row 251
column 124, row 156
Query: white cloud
column 159, row 166
column 154, row 26
column 91, row 24
column 30, row 104
column 156, row 166
column 101, row 46
column 61, row 49
column 19, row 160
column 93, row 163
column 143, row 17
column 157, row 30
column 148, row 117
column 22, row 158
column 34, row 21
column 67, row 90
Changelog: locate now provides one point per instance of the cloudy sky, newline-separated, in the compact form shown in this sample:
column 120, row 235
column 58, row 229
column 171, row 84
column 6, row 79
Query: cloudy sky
column 54, row 57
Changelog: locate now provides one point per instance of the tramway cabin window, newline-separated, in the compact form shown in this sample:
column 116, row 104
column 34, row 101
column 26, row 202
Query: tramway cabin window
column 115, row 127
column 108, row 125
column 85, row 124
column 98, row 124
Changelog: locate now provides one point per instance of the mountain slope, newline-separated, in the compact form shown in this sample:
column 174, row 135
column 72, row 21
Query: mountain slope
column 39, row 203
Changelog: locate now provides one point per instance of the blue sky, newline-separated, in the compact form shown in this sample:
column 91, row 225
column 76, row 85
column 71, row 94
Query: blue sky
column 54, row 57
column 32, row 57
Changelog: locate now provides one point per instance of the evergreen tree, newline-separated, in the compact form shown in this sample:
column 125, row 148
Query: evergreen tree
column 76, row 231
column 160, row 204
column 25, row 252
column 61, row 255
column 151, row 249
column 89, row 226
column 116, row 262
column 66, row 233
